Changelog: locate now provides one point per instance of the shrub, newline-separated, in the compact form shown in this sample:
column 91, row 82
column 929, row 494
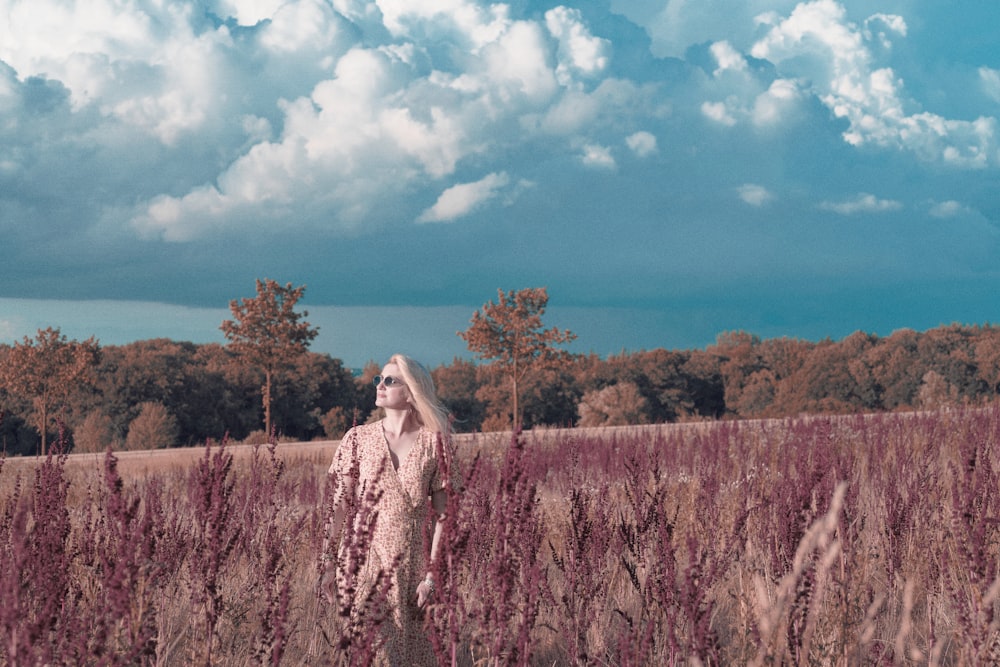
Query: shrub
column 615, row 405
column 335, row 422
column 153, row 428
column 95, row 434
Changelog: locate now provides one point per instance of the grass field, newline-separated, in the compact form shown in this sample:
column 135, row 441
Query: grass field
column 826, row 541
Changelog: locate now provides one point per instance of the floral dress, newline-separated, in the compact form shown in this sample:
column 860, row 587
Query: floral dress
column 391, row 538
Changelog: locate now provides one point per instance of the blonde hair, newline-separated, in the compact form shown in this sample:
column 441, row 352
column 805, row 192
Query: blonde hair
column 430, row 412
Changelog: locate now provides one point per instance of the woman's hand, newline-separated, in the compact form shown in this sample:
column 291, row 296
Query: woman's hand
column 425, row 591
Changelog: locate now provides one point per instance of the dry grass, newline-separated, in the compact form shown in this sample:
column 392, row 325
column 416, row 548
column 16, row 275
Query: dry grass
column 826, row 541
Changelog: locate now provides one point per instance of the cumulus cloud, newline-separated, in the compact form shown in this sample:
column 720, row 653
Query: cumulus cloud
column 235, row 119
column 727, row 57
column 818, row 43
column 321, row 108
column 675, row 25
column 613, row 101
column 171, row 150
column 459, row 200
column 862, row 203
column 388, row 120
column 247, row 12
column 579, row 51
column 777, row 104
column 595, row 155
column 748, row 97
column 642, row 143
column 300, row 26
column 718, row 112
column 754, row 195
column 472, row 24
column 878, row 26
column 150, row 66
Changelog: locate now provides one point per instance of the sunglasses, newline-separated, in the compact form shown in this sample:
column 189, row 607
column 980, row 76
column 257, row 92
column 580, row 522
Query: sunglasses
column 388, row 380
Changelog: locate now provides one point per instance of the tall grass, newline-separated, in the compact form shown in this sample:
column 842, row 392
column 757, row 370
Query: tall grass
column 826, row 541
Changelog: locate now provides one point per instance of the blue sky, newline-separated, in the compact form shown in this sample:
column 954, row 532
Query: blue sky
column 668, row 169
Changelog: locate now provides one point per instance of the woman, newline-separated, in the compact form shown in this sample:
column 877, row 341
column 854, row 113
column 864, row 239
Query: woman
column 383, row 474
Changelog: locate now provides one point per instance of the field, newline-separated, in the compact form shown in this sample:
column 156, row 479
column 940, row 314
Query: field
column 812, row 541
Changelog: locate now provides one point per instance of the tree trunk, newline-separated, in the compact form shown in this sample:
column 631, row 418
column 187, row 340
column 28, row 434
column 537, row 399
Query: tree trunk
column 267, row 404
column 517, row 404
column 43, row 428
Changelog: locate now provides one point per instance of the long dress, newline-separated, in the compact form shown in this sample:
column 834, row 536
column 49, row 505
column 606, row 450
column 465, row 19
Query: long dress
column 397, row 546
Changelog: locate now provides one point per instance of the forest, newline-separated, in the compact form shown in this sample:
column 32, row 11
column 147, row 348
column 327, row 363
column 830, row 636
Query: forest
column 163, row 393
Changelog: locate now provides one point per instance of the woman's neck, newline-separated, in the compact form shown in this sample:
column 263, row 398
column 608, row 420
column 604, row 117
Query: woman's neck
column 397, row 422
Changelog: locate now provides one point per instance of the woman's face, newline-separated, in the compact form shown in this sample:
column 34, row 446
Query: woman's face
column 391, row 392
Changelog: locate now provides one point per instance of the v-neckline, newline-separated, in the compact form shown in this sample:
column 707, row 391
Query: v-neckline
column 392, row 455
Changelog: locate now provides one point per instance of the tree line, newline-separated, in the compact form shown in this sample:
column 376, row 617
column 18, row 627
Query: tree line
column 265, row 383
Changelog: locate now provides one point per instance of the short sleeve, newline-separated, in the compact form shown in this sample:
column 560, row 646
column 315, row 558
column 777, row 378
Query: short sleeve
column 345, row 465
column 446, row 475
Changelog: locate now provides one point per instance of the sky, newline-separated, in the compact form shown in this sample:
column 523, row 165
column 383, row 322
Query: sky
column 669, row 170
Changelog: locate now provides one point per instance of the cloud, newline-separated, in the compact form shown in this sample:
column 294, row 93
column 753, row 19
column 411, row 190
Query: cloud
column 150, row 66
column 718, row 112
column 642, row 143
column 817, row 43
column 598, row 156
column 471, row 23
column 248, row 12
column 755, row 195
column 675, row 25
column 747, row 95
column 777, row 104
column 579, row 51
column 391, row 120
column 313, row 115
column 300, row 26
column 989, row 79
column 170, row 151
column 459, row 200
column 891, row 22
column 727, row 57
column 612, row 103
column 354, row 141
column 949, row 209
column 862, row 203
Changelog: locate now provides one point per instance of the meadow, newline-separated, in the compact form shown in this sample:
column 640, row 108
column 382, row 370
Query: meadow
column 857, row 540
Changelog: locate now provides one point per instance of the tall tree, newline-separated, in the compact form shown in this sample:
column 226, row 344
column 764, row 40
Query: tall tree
column 46, row 370
column 268, row 334
column 509, row 334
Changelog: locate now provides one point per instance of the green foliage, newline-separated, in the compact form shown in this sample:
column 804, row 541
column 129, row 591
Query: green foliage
column 95, row 434
column 212, row 393
column 153, row 428
column 510, row 336
column 615, row 405
column 44, row 371
column 267, row 334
